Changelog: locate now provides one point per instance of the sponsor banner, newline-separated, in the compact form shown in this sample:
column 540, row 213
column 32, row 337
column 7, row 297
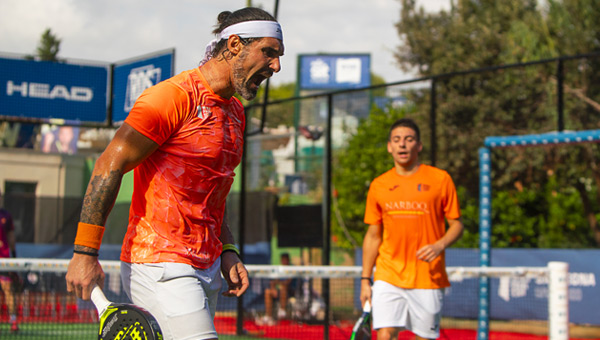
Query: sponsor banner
column 131, row 78
column 324, row 71
column 523, row 298
column 42, row 90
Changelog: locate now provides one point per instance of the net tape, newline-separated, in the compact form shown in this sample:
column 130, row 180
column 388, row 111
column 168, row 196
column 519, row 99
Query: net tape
column 274, row 271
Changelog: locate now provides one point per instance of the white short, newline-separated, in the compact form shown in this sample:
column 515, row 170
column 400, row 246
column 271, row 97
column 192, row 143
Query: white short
column 183, row 299
column 418, row 310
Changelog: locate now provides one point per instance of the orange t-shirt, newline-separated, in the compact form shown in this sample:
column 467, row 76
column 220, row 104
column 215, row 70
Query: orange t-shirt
column 412, row 211
column 180, row 190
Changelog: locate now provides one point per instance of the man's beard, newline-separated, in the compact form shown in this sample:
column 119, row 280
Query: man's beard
column 240, row 83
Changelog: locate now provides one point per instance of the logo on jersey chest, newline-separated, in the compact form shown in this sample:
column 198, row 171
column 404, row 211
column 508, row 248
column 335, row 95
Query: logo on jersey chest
column 204, row 112
column 423, row 187
column 406, row 208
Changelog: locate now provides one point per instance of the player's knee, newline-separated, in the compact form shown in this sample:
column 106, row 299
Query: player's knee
column 387, row 334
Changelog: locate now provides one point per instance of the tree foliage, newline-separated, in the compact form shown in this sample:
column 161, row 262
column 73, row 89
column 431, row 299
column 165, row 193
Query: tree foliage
column 48, row 47
column 476, row 34
column 542, row 197
column 283, row 113
column 364, row 158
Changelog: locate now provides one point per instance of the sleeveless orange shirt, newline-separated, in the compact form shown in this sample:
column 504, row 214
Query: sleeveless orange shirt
column 412, row 211
column 180, row 190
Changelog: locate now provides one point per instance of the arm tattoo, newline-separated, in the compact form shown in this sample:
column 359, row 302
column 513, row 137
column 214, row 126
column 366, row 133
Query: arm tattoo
column 100, row 197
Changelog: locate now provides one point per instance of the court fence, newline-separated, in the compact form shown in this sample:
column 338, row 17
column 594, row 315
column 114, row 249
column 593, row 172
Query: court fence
column 46, row 310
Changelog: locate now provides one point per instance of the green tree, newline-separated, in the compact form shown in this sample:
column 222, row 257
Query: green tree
column 364, row 158
column 283, row 113
column 482, row 33
column 574, row 26
column 477, row 34
column 276, row 114
column 48, row 47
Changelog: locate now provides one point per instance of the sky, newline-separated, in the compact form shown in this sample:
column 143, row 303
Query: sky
column 115, row 30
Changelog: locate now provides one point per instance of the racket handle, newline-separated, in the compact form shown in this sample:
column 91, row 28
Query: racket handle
column 99, row 300
column 367, row 307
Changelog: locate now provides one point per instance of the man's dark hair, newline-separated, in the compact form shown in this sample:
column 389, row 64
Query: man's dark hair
column 227, row 18
column 405, row 122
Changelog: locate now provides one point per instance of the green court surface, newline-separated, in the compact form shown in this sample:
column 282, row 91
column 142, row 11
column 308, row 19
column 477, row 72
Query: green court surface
column 40, row 331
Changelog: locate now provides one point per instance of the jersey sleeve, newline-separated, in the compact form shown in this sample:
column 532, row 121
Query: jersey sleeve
column 450, row 202
column 159, row 111
column 372, row 210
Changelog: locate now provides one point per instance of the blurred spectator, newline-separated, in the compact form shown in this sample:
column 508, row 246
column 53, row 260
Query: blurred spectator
column 281, row 290
column 60, row 140
column 7, row 249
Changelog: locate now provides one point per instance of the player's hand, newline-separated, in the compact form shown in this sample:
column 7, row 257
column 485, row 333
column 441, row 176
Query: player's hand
column 429, row 252
column 365, row 292
column 235, row 274
column 83, row 272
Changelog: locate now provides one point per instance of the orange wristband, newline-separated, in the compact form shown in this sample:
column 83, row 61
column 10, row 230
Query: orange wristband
column 89, row 235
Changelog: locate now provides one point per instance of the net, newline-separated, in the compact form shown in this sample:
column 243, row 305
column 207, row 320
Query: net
column 47, row 311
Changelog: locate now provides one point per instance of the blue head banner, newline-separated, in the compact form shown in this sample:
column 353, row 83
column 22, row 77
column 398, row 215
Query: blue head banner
column 42, row 90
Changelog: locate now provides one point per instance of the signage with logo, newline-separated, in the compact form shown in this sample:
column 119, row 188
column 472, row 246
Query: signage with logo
column 43, row 90
column 524, row 298
column 334, row 71
column 132, row 77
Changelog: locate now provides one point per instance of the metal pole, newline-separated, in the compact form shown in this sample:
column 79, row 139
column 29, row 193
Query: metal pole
column 559, row 95
column 109, row 115
column 485, row 239
column 242, row 224
column 266, row 94
column 276, row 9
column 239, row 325
column 327, row 213
column 432, row 121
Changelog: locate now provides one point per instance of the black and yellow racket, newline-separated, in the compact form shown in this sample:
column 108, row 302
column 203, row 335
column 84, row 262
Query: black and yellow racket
column 120, row 321
column 362, row 327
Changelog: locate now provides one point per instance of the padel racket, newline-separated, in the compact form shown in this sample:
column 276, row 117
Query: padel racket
column 362, row 327
column 120, row 321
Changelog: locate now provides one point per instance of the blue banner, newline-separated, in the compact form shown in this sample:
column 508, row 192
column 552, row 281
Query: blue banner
column 523, row 298
column 131, row 78
column 53, row 90
column 324, row 71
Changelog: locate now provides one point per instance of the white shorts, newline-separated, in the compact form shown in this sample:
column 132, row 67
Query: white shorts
column 183, row 299
column 418, row 310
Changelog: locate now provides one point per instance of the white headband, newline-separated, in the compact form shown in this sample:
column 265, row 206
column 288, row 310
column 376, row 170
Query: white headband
column 246, row 29
column 254, row 29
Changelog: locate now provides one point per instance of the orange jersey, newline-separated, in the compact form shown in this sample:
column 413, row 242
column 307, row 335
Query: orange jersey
column 412, row 211
column 180, row 190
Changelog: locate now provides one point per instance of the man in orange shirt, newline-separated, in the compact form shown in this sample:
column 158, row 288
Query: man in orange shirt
column 183, row 138
column 406, row 208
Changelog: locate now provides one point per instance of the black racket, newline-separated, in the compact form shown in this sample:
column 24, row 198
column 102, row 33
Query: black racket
column 362, row 327
column 120, row 321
